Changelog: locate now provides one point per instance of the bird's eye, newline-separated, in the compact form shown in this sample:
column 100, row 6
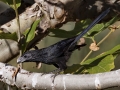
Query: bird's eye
column 25, row 56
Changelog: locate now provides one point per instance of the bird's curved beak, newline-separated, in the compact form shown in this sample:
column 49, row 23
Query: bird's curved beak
column 20, row 60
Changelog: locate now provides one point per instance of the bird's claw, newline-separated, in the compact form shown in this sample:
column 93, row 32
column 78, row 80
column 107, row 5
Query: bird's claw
column 53, row 77
column 54, row 72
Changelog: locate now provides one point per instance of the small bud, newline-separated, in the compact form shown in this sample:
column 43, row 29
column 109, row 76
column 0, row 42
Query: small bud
column 94, row 47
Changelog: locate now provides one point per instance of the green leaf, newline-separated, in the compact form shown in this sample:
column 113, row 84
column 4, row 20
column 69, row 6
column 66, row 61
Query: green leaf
column 60, row 33
column 101, row 65
column 10, row 3
column 113, row 51
column 72, row 69
column 99, row 27
column 95, row 30
column 12, row 36
column 113, row 20
column 80, row 26
column 29, row 35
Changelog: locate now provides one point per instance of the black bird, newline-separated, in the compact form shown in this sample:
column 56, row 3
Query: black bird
column 59, row 53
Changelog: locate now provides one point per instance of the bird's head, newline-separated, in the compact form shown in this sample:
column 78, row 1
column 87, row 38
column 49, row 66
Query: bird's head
column 26, row 57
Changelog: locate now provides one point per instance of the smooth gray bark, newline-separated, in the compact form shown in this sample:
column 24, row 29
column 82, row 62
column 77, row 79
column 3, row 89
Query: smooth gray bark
column 27, row 80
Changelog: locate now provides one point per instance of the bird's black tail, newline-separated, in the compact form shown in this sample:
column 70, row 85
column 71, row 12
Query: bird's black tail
column 101, row 16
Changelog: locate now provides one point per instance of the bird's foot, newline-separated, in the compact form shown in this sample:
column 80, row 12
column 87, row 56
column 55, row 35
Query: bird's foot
column 56, row 72
column 43, row 74
column 53, row 77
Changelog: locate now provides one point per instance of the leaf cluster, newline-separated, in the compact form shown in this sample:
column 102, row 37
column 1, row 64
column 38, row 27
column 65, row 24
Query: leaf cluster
column 101, row 63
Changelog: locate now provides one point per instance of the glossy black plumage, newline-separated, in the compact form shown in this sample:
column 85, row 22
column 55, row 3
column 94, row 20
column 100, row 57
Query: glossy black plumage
column 59, row 53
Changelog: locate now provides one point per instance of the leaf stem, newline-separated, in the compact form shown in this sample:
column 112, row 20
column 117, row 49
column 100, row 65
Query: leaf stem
column 19, row 32
column 18, row 21
column 93, row 39
column 105, row 37
column 89, row 53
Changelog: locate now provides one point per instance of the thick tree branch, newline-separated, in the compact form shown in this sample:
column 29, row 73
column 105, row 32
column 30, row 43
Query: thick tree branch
column 27, row 80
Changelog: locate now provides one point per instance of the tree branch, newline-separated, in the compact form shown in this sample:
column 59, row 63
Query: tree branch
column 27, row 80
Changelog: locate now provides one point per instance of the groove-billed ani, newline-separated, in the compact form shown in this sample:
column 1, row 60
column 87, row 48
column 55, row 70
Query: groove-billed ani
column 59, row 53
